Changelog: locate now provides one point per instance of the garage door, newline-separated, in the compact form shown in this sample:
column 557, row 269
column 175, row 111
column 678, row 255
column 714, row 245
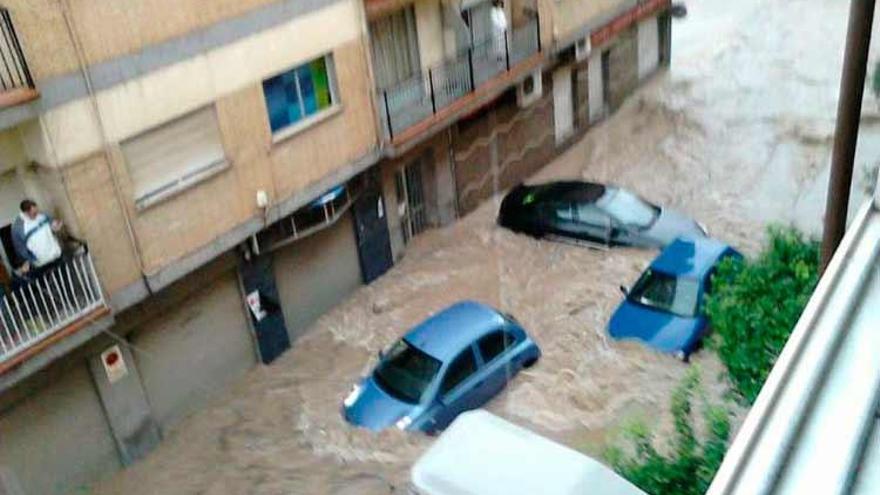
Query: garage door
column 317, row 273
column 57, row 439
column 191, row 354
column 649, row 47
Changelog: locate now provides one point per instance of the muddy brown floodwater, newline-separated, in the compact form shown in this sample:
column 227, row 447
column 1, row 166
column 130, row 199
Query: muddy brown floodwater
column 737, row 134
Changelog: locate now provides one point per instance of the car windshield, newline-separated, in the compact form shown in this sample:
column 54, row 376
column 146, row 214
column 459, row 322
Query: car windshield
column 405, row 372
column 667, row 293
column 627, row 208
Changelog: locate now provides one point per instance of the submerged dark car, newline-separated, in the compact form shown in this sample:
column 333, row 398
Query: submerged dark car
column 592, row 214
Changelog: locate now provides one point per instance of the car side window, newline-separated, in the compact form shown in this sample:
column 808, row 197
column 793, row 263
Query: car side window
column 461, row 368
column 590, row 215
column 494, row 344
column 563, row 211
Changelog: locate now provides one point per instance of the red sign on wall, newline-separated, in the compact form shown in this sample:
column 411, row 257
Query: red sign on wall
column 627, row 19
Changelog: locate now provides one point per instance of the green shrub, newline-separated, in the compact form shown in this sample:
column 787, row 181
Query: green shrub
column 875, row 80
column 691, row 464
column 754, row 306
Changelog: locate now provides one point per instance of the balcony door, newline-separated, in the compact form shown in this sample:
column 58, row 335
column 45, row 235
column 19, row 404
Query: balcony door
column 403, row 93
column 395, row 47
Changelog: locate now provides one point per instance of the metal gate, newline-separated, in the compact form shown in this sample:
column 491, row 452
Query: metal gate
column 411, row 200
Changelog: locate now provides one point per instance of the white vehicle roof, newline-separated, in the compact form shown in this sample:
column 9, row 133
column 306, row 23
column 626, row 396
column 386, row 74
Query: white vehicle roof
column 482, row 454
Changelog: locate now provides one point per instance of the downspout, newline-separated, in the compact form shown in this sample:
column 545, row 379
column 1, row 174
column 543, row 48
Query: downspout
column 81, row 59
column 368, row 62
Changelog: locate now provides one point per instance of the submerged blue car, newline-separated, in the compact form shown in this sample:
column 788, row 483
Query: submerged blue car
column 455, row 361
column 663, row 309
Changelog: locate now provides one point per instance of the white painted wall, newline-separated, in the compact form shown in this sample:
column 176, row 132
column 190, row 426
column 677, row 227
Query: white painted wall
column 563, row 103
column 137, row 105
column 595, row 89
column 429, row 27
column 649, row 47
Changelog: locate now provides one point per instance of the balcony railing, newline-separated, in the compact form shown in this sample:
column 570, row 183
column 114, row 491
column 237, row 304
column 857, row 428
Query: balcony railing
column 15, row 77
column 47, row 303
column 414, row 100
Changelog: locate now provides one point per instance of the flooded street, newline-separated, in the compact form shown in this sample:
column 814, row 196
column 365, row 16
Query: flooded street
column 738, row 135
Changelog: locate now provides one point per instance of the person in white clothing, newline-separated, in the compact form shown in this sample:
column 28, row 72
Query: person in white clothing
column 33, row 237
column 499, row 29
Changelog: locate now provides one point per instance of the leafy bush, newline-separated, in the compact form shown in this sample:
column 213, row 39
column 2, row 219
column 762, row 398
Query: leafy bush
column 875, row 80
column 754, row 305
column 691, row 464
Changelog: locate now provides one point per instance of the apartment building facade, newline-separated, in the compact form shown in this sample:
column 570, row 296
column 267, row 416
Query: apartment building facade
column 228, row 172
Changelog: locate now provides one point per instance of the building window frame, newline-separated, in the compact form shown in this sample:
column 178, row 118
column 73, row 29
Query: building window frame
column 190, row 176
column 306, row 121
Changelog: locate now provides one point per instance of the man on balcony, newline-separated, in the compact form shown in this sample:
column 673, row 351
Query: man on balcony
column 33, row 236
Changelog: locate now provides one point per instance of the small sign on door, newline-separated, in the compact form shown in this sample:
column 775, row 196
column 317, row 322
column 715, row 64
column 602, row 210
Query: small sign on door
column 114, row 364
column 255, row 305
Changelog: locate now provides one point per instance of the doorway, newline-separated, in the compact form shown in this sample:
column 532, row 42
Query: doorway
column 411, row 200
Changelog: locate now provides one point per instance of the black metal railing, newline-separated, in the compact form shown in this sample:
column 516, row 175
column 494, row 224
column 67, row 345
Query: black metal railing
column 413, row 100
column 14, row 72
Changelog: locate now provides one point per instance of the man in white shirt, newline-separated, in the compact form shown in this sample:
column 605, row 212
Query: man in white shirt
column 33, row 236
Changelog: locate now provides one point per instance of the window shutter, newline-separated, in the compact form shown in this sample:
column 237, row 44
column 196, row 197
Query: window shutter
column 168, row 155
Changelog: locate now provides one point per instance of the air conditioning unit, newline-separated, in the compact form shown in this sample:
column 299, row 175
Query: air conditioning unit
column 582, row 48
column 529, row 90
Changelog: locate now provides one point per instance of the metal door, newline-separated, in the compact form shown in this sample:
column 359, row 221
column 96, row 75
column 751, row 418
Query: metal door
column 373, row 240
column 258, row 281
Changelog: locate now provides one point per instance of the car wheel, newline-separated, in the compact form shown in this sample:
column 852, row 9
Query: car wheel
column 530, row 362
column 682, row 356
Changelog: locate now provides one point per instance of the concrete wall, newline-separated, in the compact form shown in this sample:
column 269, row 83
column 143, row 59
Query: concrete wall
column 624, row 76
column 190, row 353
column 55, row 439
column 110, row 29
column 571, row 16
column 141, row 99
column 429, row 27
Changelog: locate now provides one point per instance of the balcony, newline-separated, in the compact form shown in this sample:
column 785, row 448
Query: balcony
column 16, row 83
column 414, row 104
column 47, row 307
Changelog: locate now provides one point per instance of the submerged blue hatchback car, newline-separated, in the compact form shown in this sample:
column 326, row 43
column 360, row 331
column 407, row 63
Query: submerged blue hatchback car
column 663, row 309
column 455, row 361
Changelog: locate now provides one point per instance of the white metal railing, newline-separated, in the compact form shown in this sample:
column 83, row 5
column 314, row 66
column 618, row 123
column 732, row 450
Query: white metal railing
column 47, row 302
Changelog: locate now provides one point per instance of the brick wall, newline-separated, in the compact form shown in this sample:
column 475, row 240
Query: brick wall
column 504, row 144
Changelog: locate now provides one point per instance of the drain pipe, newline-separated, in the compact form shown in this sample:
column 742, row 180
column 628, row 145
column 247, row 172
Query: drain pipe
column 108, row 155
column 846, row 134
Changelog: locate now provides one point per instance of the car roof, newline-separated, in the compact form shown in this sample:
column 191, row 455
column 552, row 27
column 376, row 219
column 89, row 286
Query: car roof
column 689, row 257
column 446, row 333
column 576, row 191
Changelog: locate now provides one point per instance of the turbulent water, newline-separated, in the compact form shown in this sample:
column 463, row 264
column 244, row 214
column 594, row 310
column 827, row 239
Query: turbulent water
column 737, row 134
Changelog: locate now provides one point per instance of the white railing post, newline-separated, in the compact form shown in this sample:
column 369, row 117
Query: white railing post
column 48, row 303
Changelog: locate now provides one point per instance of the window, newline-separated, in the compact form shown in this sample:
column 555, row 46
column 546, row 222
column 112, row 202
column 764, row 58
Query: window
column 494, row 344
column 666, row 293
column 405, row 372
column 171, row 157
column 395, row 48
column 299, row 93
column 590, row 215
column 629, row 209
column 461, row 368
column 564, row 211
